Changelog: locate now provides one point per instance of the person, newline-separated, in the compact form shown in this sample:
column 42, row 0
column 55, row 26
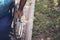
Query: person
column 6, row 17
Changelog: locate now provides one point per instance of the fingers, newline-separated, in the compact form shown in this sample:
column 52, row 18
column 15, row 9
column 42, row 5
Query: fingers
column 19, row 14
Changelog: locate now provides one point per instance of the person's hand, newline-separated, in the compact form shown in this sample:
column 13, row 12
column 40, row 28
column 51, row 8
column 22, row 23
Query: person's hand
column 19, row 14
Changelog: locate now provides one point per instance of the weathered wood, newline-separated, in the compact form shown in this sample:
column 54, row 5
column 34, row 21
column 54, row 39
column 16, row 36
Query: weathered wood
column 29, row 13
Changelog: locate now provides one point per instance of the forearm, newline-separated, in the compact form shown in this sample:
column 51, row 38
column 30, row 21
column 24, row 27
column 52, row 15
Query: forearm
column 21, row 5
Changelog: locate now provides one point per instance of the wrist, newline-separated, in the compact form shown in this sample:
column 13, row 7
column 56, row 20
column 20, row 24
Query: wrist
column 21, row 10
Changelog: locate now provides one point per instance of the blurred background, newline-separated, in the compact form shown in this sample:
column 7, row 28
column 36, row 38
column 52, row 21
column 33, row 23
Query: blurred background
column 46, row 20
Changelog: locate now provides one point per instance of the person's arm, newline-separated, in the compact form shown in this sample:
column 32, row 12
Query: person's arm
column 21, row 6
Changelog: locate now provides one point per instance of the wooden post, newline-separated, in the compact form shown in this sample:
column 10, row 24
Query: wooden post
column 29, row 12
